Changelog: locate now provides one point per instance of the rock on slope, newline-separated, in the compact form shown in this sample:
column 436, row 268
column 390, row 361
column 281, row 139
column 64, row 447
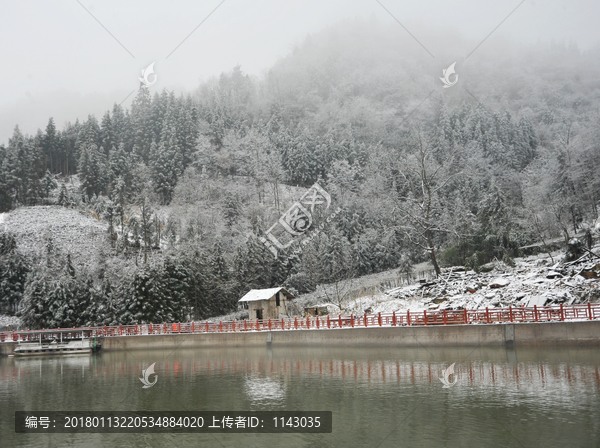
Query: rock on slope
column 532, row 281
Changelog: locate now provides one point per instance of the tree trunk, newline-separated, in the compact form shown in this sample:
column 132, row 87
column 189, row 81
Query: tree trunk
column 431, row 246
column 434, row 262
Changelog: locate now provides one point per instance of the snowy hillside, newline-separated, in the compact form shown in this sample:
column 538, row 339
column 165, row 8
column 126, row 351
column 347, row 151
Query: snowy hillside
column 72, row 231
column 532, row 281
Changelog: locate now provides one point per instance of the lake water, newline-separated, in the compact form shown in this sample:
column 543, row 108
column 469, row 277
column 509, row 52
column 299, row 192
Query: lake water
column 379, row 397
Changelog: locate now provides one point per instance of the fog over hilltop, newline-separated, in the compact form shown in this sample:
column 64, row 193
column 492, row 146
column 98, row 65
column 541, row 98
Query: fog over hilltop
column 68, row 59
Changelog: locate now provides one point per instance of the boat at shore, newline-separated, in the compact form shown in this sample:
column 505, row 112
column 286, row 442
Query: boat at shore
column 55, row 346
column 71, row 347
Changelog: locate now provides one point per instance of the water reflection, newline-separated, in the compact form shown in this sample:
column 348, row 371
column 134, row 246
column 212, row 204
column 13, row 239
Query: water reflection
column 264, row 390
column 547, row 397
column 487, row 367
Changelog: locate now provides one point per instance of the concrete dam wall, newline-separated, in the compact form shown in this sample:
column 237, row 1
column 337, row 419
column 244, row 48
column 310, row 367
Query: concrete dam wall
column 494, row 335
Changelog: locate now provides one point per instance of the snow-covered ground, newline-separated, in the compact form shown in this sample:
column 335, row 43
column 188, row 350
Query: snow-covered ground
column 9, row 321
column 533, row 281
column 72, row 231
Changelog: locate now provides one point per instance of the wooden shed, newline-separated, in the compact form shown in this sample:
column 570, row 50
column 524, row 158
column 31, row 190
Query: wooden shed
column 267, row 303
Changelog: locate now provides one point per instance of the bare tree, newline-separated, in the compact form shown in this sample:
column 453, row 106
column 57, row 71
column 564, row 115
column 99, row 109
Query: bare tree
column 539, row 229
column 417, row 199
column 338, row 292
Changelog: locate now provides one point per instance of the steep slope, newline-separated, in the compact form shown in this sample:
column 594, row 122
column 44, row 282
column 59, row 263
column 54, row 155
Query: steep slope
column 71, row 231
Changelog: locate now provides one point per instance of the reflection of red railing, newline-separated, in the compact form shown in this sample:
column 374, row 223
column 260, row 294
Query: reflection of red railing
column 527, row 374
column 445, row 317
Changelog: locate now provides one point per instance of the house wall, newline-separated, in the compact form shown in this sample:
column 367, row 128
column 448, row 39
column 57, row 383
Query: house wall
column 269, row 307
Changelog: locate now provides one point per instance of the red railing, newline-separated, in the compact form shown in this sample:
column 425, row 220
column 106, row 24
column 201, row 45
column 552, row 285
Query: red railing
column 480, row 316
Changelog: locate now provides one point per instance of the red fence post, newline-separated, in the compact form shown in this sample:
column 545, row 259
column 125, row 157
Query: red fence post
column 307, row 322
column 535, row 313
column 257, row 325
column 136, row 329
column 352, row 320
column 562, row 313
column 318, row 322
column 328, row 322
column 105, row 331
column 510, row 314
column 444, row 314
column 487, row 314
column 590, row 310
column 408, row 316
column 120, row 330
column 379, row 319
column 245, row 324
column 269, row 324
column 179, row 327
column 365, row 319
column 394, row 318
column 233, row 324
column 282, row 324
column 220, row 326
column 165, row 329
column 296, row 322
column 425, row 317
column 466, row 316
column 340, row 320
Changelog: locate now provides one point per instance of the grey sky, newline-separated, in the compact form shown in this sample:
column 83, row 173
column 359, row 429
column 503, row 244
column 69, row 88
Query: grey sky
column 58, row 61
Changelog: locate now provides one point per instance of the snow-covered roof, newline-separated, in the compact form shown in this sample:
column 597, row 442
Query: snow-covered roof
column 263, row 294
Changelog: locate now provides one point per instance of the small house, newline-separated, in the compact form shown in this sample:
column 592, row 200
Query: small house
column 267, row 303
column 316, row 310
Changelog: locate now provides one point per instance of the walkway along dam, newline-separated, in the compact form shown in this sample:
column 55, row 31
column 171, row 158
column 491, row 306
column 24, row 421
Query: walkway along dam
column 552, row 325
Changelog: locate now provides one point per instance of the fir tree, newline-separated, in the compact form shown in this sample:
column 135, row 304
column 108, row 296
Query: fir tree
column 48, row 184
column 142, row 124
column 51, row 148
column 14, row 268
column 92, row 168
column 63, row 196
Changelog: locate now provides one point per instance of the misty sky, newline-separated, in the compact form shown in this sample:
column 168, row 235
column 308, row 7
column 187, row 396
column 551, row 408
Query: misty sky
column 57, row 60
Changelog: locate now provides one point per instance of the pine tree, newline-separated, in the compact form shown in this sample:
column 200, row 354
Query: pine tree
column 159, row 294
column 232, row 209
column 48, row 183
column 146, row 225
column 167, row 163
column 93, row 170
column 141, row 123
column 107, row 134
column 51, row 148
column 5, row 196
column 119, row 124
column 39, row 308
column 63, row 196
column 14, row 268
column 53, row 298
column 22, row 170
